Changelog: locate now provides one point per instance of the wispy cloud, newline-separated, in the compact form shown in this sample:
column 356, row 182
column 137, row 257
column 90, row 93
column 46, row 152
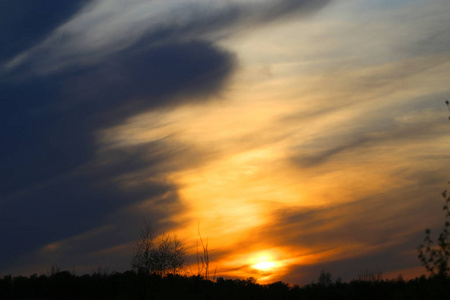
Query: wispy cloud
column 96, row 65
column 308, row 141
column 104, row 28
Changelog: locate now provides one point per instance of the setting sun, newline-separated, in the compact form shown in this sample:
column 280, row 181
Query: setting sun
column 265, row 266
column 264, row 263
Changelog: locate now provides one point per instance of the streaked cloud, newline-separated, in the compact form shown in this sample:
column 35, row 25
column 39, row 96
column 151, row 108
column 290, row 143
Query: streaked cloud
column 296, row 134
column 103, row 28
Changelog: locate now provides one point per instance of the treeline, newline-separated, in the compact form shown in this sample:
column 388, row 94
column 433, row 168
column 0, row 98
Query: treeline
column 130, row 285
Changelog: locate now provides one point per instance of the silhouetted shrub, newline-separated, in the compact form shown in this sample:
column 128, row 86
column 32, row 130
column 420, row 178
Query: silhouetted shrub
column 435, row 258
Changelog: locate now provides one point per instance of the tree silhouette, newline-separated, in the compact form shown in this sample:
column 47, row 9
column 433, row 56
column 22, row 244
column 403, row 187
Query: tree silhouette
column 436, row 258
column 203, row 259
column 168, row 255
column 325, row 279
column 158, row 254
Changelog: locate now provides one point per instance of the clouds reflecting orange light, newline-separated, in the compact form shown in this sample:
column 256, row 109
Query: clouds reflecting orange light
column 311, row 156
column 290, row 136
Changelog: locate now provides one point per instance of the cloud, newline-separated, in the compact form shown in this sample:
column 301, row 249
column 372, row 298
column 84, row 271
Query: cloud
column 104, row 28
column 390, row 260
column 350, row 130
column 57, row 207
column 24, row 23
column 364, row 140
column 92, row 67
column 378, row 233
column 69, row 109
column 367, row 108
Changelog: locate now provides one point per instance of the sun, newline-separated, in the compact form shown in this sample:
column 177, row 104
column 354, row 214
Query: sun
column 263, row 262
column 264, row 266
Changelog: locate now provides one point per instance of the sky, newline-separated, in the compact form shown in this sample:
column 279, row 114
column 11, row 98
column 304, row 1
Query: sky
column 295, row 135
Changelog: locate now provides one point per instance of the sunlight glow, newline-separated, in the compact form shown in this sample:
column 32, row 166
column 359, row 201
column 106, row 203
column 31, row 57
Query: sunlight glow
column 265, row 262
column 264, row 266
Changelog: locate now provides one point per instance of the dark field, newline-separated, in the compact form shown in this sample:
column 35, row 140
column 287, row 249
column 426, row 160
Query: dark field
column 130, row 285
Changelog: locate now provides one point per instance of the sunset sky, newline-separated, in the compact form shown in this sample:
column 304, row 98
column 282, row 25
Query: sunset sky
column 295, row 135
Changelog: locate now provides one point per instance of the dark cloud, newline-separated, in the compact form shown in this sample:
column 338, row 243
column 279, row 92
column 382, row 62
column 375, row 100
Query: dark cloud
column 74, row 43
column 291, row 7
column 51, row 186
column 54, row 118
column 24, row 23
column 41, row 147
column 387, row 260
column 53, row 183
column 68, row 204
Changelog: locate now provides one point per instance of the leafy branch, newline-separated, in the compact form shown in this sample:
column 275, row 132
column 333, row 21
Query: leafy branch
column 436, row 258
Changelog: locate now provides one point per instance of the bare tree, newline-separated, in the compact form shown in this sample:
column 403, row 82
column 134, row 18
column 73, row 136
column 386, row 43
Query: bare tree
column 142, row 261
column 168, row 255
column 158, row 254
column 203, row 259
